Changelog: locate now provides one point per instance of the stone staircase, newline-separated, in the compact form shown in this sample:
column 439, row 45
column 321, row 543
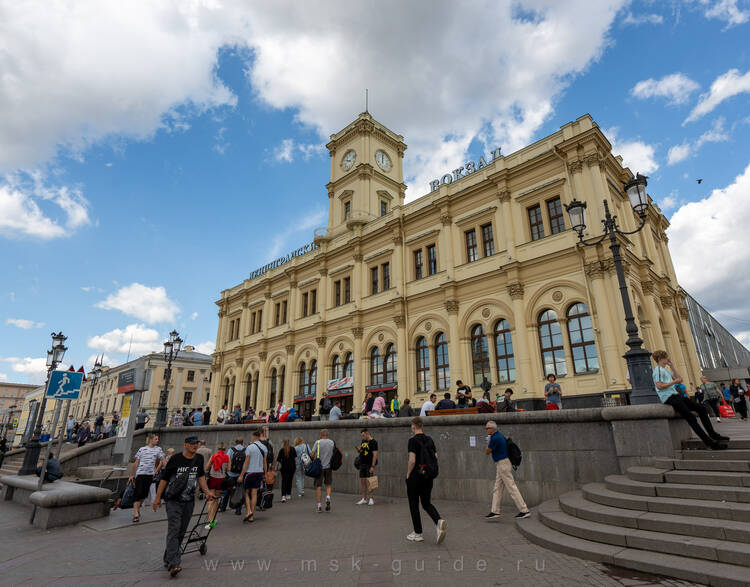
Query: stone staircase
column 687, row 517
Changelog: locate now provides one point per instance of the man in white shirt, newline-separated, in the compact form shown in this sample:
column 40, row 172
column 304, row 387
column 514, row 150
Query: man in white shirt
column 148, row 461
column 223, row 415
column 428, row 406
column 255, row 467
column 323, row 449
column 335, row 413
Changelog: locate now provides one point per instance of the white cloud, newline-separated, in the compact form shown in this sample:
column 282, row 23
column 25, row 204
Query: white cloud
column 150, row 304
column 221, row 145
column 707, row 242
column 35, row 369
column 726, row 10
column 724, row 87
column 669, row 202
column 106, row 360
column 3, row 377
column 676, row 88
column 23, row 323
column 636, row 155
column 306, row 223
column 285, row 151
column 206, row 348
column 136, row 339
column 194, row 315
column 681, row 152
column 630, row 18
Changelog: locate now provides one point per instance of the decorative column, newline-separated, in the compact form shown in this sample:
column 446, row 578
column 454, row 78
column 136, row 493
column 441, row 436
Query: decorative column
column 358, row 279
column 504, row 214
column 292, row 311
column 455, row 361
column 287, row 394
column 237, row 389
column 323, row 301
column 359, row 369
column 267, row 307
column 323, row 369
column 398, row 277
column 263, row 382
column 652, row 314
column 446, row 254
column 402, row 348
column 244, row 321
column 524, row 373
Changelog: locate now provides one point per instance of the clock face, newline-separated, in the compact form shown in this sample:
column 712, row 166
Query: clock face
column 383, row 160
column 348, row 160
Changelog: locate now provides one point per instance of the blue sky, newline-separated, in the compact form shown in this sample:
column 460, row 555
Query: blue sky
column 152, row 156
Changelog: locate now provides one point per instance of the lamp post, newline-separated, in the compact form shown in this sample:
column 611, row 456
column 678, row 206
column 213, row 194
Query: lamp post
column 638, row 358
column 96, row 372
column 33, row 447
column 171, row 349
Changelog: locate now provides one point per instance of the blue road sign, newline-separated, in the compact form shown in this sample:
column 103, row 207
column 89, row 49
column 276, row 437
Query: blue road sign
column 64, row 385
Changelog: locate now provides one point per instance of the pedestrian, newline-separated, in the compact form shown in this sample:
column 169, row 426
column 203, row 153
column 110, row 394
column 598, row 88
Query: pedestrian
column 406, row 411
column 497, row 446
column 141, row 419
column 236, row 456
column 300, row 447
column 483, row 404
column 169, row 453
column 197, row 417
column 738, row 398
column 76, row 428
column 223, row 415
column 666, row 379
column 177, row 418
column 553, row 393
column 98, row 425
column 323, row 449
column 84, row 433
column 287, row 465
column 395, row 405
column 446, row 403
column 463, row 394
column 505, row 403
column 207, row 416
column 428, row 406
column 335, row 413
column 236, row 415
column 115, row 422
column 148, row 462
column 204, row 451
column 181, row 475
column 725, row 393
column 712, row 396
column 216, row 469
column 107, row 430
column 420, row 474
column 324, row 406
column 69, row 427
column 368, row 458
column 378, row 406
column 253, row 470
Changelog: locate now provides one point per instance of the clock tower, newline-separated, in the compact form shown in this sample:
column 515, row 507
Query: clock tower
column 367, row 178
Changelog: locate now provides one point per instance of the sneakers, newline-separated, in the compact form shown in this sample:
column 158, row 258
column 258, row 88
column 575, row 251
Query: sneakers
column 720, row 438
column 718, row 419
column 320, row 509
column 492, row 516
column 442, row 528
column 328, row 505
column 522, row 515
column 210, row 525
column 414, row 537
column 299, row 495
column 362, row 501
column 283, row 499
column 371, row 502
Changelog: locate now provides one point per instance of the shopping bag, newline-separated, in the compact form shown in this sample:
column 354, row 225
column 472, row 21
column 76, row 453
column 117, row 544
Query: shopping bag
column 372, row 483
column 237, row 497
column 128, row 496
column 726, row 411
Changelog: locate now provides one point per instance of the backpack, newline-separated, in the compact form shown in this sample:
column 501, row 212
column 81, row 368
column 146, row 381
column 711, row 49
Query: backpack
column 428, row 468
column 514, row 453
column 327, row 405
column 336, row 458
column 238, row 459
column 178, row 483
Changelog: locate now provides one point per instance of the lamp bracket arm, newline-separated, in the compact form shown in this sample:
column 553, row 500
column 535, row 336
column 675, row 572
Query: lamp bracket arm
column 592, row 244
column 640, row 227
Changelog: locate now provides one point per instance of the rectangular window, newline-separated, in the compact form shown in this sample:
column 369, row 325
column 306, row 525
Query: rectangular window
column 418, row 265
column 277, row 309
column 191, row 375
column 283, row 312
column 314, row 301
column 383, row 208
column 347, row 210
column 535, row 222
column 337, row 293
column 431, row 260
column 252, row 323
column 374, row 280
column 386, row 276
column 188, row 398
column 471, row 246
column 347, row 290
column 304, row 304
column 260, row 320
column 488, row 240
column 556, row 218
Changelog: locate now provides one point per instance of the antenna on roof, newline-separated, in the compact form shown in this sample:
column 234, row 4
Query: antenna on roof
column 367, row 100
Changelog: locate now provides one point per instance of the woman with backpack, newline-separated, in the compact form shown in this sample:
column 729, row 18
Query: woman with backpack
column 236, row 456
column 301, row 448
column 286, row 462
column 217, row 468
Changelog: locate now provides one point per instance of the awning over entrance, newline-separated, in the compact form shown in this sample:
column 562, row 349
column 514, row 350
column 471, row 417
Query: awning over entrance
column 385, row 387
column 304, row 398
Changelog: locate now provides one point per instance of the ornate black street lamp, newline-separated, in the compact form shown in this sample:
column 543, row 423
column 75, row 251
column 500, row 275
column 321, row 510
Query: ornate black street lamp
column 33, row 447
column 96, row 372
column 171, row 349
column 638, row 358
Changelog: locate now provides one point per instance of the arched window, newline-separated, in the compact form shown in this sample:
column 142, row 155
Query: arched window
column 376, row 367
column 302, row 378
column 336, row 368
column 480, row 354
column 442, row 369
column 312, row 387
column 423, row 365
column 348, row 365
column 581, row 333
column 506, row 362
column 249, row 390
column 391, row 373
column 282, row 377
column 274, row 387
column 551, row 344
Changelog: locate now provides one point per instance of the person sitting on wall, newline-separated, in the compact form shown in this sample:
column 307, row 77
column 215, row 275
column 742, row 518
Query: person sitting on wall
column 666, row 380
column 483, row 404
column 446, row 403
column 53, row 472
column 505, row 403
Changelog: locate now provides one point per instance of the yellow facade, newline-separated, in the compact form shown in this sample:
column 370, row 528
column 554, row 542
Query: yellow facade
column 415, row 280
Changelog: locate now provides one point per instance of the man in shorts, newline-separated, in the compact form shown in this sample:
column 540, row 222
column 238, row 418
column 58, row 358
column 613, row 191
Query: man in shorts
column 368, row 458
column 253, row 472
column 148, row 461
column 323, row 449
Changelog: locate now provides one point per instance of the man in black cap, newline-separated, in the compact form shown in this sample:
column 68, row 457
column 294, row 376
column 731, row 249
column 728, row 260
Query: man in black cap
column 183, row 472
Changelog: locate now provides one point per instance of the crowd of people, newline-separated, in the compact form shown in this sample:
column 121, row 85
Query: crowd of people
column 84, row 431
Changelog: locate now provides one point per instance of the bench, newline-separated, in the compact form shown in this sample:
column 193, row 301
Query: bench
column 60, row 503
column 454, row 412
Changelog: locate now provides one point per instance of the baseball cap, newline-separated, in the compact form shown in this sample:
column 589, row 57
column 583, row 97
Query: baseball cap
column 191, row 440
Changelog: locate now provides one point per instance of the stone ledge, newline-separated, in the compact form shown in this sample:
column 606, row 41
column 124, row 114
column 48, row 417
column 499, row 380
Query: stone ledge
column 57, row 494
